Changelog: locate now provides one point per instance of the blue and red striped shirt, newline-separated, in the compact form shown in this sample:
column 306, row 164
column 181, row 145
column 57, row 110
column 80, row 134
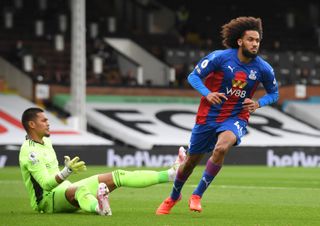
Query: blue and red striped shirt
column 223, row 72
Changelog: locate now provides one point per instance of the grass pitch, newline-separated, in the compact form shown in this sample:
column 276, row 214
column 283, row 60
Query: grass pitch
column 238, row 196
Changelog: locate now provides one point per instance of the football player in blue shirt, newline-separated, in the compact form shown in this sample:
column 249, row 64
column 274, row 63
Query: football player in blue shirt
column 231, row 77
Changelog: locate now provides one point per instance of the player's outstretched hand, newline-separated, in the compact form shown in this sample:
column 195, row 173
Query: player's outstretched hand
column 71, row 166
column 74, row 164
column 216, row 98
column 250, row 105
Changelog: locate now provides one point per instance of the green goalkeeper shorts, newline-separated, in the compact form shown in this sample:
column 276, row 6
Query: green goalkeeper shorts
column 55, row 201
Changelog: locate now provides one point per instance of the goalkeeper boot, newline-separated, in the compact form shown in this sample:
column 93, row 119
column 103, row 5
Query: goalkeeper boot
column 195, row 204
column 181, row 156
column 103, row 200
column 179, row 160
column 166, row 206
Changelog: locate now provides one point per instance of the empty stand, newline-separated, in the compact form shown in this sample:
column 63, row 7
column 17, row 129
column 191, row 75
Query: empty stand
column 284, row 44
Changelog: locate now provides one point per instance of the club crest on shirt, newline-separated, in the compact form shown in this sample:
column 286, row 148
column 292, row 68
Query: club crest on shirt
column 33, row 158
column 252, row 75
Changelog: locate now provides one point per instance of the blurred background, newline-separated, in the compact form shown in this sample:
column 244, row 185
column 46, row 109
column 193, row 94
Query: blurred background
column 111, row 75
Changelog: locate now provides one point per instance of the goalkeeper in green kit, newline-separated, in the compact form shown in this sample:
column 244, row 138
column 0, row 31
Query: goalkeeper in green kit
column 48, row 187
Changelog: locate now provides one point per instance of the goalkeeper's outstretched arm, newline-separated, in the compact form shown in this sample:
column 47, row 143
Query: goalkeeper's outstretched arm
column 70, row 166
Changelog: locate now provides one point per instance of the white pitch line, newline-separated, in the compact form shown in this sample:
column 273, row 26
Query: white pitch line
column 267, row 188
column 216, row 186
column 253, row 187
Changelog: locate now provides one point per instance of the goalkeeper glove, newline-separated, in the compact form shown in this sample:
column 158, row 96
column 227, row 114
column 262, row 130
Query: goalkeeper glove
column 71, row 166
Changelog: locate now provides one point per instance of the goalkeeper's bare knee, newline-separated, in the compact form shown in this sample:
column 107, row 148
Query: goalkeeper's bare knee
column 108, row 179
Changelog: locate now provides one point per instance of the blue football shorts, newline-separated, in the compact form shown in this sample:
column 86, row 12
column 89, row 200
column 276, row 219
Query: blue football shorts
column 204, row 136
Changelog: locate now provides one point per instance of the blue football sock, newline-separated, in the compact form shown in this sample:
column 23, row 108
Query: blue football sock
column 203, row 184
column 178, row 183
column 208, row 175
column 176, row 190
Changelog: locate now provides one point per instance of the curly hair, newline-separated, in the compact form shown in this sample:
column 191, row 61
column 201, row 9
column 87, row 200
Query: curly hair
column 235, row 29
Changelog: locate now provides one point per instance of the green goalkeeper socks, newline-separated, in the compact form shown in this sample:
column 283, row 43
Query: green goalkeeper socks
column 139, row 178
column 86, row 200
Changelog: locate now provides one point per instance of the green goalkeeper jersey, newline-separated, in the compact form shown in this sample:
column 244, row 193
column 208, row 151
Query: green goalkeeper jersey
column 39, row 166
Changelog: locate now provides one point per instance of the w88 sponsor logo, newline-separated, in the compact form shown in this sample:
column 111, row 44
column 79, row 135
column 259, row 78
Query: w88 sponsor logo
column 236, row 92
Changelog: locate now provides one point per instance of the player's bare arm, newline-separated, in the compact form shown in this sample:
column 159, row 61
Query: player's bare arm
column 216, row 98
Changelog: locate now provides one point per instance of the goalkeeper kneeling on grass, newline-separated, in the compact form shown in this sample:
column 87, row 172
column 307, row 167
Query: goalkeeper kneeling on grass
column 48, row 187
